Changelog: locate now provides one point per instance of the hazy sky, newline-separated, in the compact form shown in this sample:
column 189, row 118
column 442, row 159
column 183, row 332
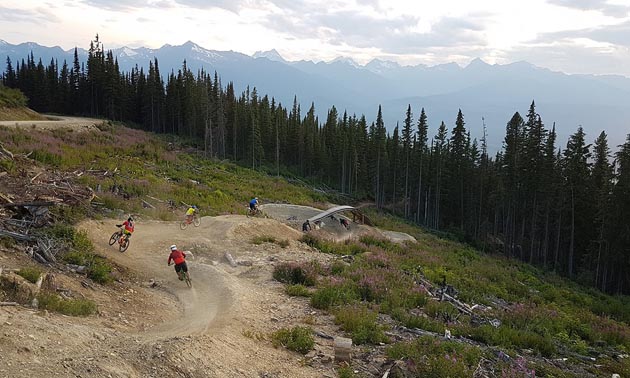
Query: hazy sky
column 573, row 36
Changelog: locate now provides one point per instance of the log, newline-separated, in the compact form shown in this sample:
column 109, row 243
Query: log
column 8, row 304
column 39, row 258
column 461, row 306
column 35, row 203
column 323, row 335
column 230, row 259
column 45, row 252
column 5, row 197
column 36, row 176
column 145, row 204
column 17, row 236
column 6, row 152
column 343, row 349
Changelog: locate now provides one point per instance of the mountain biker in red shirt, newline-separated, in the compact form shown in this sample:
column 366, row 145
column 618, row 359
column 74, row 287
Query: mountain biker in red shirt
column 129, row 226
column 179, row 258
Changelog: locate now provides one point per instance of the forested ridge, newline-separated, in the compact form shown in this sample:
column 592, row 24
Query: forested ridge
column 562, row 206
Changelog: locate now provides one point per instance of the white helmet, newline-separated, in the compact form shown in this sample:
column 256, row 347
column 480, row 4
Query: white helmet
column 173, row 247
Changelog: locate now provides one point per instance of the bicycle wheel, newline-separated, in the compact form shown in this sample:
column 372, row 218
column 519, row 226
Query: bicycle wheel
column 124, row 245
column 187, row 279
column 183, row 225
column 114, row 238
column 196, row 221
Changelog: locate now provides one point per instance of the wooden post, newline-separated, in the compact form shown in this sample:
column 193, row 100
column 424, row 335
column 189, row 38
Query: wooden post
column 343, row 349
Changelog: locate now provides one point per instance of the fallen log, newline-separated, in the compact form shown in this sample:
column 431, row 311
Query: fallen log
column 5, row 197
column 8, row 304
column 39, row 258
column 6, row 152
column 461, row 306
column 145, row 204
column 34, row 203
column 17, row 236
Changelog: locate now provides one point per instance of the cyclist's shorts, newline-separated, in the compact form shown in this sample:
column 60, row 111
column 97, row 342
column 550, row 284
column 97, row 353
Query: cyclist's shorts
column 127, row 233
column 181, row 267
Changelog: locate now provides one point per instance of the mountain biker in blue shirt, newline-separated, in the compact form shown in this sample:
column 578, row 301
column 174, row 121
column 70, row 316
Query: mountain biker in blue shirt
column 253, row 204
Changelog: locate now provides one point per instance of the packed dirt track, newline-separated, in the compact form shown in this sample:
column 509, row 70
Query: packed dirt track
column 57, row 122
column 150, row 324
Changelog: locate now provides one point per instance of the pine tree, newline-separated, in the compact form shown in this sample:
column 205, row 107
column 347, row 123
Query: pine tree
column 407, row 134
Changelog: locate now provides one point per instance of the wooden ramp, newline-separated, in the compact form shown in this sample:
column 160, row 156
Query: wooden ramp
column 357, row 216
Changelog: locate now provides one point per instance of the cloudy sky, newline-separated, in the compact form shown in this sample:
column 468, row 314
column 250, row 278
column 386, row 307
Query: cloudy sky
column 573, row 36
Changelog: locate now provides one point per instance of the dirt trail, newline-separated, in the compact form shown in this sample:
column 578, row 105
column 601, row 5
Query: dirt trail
column 57, row 122
column 210, row 297
column 219, row 328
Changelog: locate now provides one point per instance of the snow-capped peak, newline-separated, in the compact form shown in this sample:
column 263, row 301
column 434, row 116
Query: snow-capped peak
column 272, row 55
column 346, row 60
column 126, row 51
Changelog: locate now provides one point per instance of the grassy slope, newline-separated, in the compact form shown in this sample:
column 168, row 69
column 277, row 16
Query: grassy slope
column 547, row 315
column 19, row 114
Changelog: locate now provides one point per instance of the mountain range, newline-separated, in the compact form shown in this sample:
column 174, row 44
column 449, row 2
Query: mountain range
column 493, row 92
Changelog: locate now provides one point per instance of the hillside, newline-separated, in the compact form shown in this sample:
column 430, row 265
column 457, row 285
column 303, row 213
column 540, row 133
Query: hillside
column 13, row 106
column 130, row 316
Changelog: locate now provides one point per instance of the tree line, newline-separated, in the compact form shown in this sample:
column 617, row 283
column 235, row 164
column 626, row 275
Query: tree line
column 564, row 208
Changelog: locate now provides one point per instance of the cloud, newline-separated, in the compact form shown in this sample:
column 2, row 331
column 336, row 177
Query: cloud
column 613, row 10
column 572, row 57
column 35, row 15
column 614, row 34
column 119, row 5
column 392, row 35
column 230, row 5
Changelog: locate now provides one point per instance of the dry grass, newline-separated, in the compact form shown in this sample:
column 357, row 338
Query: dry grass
column 19, row 114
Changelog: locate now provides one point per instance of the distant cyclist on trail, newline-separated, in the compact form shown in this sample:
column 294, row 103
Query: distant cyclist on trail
column 253, row 204
column 190, row 213
column 129, row 227
column 179, row 258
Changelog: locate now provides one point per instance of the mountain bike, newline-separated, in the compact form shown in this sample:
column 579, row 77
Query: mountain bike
column 195, row 221
column 122, row 239
column 256, row 212
column 184, row 276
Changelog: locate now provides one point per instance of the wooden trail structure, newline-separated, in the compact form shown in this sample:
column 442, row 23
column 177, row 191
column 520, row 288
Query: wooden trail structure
column 357, row 215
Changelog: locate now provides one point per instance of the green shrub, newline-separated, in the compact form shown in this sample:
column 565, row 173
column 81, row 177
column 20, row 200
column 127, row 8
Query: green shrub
column 332, row 295
column 297, row 291
column 361, row 323
column 346, row 372
column 30, row 274
column 298, row 339
column 100, row 270
column 74, row 307
column 294, row 273
column 7, row 242
column 263, row 239
column 412, row 321
column 430, row 357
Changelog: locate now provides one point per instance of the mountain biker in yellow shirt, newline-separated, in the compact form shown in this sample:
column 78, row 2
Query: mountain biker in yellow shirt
column 190, row 213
